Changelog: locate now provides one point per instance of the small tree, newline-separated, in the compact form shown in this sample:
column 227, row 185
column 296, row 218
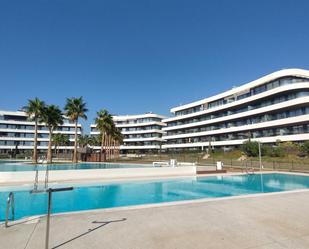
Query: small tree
column 104, row 123
column 250, row 148
column 273, row 151
column 75, row 108
column 305, row 148
column 58, row 140
column 290, row 147
column 52, row 117
column 83, row 141
column 95, row 140
column 34, row 110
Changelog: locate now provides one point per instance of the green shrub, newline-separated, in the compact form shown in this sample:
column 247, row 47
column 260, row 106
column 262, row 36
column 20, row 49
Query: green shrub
column 4, row 156
column 305, row 148
column 273, row 151
column 250, row 148
column 289, row 147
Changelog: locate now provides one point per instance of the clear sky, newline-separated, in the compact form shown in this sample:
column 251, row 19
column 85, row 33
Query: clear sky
column 135, row 56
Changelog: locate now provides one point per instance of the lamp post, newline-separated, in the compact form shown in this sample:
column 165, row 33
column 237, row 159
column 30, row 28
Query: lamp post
column 248, row 135
column 260, row 156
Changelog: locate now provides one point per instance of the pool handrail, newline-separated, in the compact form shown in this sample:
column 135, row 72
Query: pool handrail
column 36, row 179
column 248, row 170
column 9, row 203
column 46, row 177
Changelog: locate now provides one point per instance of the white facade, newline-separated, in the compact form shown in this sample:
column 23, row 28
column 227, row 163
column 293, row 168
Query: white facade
column 141, row 133
column 274, row 107
column 17, row 132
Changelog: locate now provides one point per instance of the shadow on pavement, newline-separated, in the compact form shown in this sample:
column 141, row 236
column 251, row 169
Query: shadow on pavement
column 103, row 223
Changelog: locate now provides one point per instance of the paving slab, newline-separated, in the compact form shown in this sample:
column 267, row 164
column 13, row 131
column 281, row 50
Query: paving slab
column 277, row 221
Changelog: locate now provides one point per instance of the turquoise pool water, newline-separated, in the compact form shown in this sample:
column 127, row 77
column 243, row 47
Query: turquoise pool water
column 18, row 166
column 147, row 192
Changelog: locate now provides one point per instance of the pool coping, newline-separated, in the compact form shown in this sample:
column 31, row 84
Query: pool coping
column 23, row 177
column 126, row 179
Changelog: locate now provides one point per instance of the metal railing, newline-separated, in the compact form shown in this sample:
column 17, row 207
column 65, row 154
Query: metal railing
column 249, row 171
column 46, row 177
column 275, row 163
column 49, row 191
column 36, row 179
column 9, row 203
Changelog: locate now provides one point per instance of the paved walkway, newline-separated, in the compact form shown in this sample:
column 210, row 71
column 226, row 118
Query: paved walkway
column 266, row 222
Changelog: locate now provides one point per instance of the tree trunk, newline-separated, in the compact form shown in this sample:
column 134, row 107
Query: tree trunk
column 75, row 144
column 117, row 155
column 119, row 144
column 109, row 147
column 49, row 150
column 117, row 149
column 35, row 144
column 57, row 150
column 105, row 146
column 102, row 145
column 114, row 148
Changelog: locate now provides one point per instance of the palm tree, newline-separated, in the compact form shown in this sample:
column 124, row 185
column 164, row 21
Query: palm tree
column 52, row 117
column 83, row 140
column 116, row 137
column 59, row 139
column 110, row 140
column 104, row 123
column 94, row 140
column 56, row 139
column 66, row 142
column 34, row 110
column 75, row 108
column 119, row 140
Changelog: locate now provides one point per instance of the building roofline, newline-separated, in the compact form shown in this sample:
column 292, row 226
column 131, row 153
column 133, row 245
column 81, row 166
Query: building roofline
column 16, row 113
column 244, row 87
column 135, row 116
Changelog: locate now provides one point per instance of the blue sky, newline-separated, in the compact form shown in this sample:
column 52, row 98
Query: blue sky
column 134, row 56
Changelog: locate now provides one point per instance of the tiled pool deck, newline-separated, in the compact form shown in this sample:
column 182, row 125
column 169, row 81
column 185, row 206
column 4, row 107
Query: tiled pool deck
column 264, row 222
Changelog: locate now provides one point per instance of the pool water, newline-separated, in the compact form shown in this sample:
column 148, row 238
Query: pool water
column 147, row 192
column 18, row 166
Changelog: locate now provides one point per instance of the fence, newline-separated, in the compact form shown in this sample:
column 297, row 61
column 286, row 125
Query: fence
column 289, row 165
column 199, row 158
column 269, row 164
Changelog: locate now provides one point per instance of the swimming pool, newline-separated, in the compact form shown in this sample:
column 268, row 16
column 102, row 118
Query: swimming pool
column 149, row 192
column 18, row 166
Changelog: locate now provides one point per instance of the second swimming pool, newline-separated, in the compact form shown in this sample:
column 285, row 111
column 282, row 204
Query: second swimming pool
column 19, row 166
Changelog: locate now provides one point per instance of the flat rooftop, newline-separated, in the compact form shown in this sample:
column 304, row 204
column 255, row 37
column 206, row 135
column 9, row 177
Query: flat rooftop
column 271, row 221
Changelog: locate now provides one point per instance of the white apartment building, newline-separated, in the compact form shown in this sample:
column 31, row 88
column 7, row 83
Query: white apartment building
column 142, row 133
column 17, row 132
column 274, row 107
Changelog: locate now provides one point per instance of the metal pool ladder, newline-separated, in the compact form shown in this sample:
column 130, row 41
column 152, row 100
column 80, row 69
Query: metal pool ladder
column 46, row 177
column 249, row 171
column 36, row 179
column 9, row 203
